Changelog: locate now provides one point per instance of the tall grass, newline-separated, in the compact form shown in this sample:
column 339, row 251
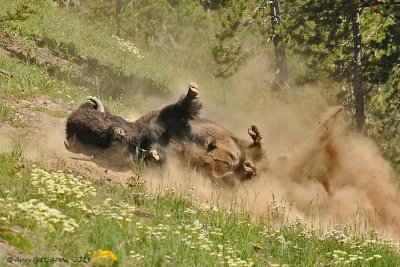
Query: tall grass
column 130, row 227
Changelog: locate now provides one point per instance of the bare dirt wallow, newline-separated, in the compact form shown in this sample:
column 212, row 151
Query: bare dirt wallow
column 176, row 130
column 331, row 169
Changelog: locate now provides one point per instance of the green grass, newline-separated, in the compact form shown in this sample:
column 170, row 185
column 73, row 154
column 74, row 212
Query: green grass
column 53, row 113
column 112, row 69
column 5, row 111
column 107, row 69
column 69, row 32
column 8, row 114
column 166, row 229
column 141, row 229
column 31, row 81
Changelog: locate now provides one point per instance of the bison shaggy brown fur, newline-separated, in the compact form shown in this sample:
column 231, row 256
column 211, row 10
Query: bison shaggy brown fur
column 175, row 129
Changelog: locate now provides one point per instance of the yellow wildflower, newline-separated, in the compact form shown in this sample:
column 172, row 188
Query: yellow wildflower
column 103, row 257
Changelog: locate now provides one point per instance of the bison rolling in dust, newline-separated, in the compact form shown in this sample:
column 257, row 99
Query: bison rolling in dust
column 175, row 130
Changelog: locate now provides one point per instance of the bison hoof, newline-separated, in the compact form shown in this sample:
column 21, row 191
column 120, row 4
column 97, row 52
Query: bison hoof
column 249, row 169
column 255, row 134
column 193, row 90
column 119, row 133
column 153, row 154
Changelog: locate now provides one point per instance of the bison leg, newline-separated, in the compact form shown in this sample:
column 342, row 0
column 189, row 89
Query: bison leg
column 255, row 149
column 153, row 155
column 247, row 172
column 256, row 152
column 249, row 169
column 175, row 117
column 255, row 135
column 192, row 93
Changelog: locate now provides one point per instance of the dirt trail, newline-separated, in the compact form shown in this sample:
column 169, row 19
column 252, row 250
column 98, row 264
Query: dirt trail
column 42, row 136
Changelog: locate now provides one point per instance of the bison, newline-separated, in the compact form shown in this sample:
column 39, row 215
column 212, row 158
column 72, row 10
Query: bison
column 175, row 129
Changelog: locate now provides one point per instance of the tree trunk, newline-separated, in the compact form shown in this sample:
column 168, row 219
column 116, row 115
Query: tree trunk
column 357, row 78
column 118, row 10
column 279, row 47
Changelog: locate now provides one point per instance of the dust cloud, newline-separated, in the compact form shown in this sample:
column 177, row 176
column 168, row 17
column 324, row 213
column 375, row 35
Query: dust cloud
column 320, row 169
column 333, row 175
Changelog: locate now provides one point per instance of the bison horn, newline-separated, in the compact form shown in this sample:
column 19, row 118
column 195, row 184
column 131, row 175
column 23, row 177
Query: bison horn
column 99, row 105
column 68, row 147
column 71, row 148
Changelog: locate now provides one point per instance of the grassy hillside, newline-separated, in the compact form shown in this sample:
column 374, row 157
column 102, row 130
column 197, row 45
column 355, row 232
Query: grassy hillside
column 43, row 23
column 47, row 52
column 80, row 53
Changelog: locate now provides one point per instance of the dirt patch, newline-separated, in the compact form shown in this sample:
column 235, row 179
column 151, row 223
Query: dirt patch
column 7, row 251
column 43, row 141
column 331, row 177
